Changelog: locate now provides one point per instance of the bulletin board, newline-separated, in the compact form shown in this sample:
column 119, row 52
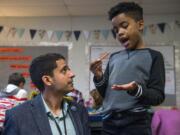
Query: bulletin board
column 18, row 59
column 169, row 59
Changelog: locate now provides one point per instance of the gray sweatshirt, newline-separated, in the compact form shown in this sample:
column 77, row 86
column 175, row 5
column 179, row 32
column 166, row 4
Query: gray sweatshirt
column 145, row 67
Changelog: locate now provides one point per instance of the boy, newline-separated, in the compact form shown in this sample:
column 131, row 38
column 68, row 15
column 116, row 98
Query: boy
column 48, row 113
column 12, row 95
column 134, row 78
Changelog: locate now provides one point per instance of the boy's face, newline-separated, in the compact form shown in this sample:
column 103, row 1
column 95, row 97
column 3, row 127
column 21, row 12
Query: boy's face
column 62, row 79
column 21, row 85
column 128, row 31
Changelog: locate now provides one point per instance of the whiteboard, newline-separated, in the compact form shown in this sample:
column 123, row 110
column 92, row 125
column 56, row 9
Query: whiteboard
column 169, row 60
column 18, row 58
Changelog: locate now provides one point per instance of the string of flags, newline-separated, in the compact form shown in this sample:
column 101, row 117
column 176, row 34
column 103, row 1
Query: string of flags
column 13, row 31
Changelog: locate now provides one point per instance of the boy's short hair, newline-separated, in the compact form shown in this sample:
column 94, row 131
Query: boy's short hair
column 43, row 65
column 16, row 79
column 129, row 8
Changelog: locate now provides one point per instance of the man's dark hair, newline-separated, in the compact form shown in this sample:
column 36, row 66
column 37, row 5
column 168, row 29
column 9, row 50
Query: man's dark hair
column 43, row 65
column 16, row 79
column 129, row 8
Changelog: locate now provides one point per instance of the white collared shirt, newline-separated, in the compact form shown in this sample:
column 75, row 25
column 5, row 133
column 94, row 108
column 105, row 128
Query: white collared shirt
column 59, row 119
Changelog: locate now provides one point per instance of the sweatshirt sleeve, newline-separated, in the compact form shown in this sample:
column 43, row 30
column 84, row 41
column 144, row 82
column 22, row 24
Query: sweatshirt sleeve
column 101, row 84
column 153, row 93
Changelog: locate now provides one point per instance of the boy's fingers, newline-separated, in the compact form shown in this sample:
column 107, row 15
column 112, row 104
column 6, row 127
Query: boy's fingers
column 128, row 86
column 117, row 87
column 95, row 64
column 99, row 60
column 103, row 56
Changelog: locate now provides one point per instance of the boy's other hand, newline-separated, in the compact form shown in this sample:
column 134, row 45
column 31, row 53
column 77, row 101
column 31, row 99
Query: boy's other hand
column 127, row 87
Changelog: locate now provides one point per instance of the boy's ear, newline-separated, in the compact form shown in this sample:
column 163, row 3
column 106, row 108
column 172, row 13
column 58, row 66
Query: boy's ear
column 47, row 80
column 141, row 25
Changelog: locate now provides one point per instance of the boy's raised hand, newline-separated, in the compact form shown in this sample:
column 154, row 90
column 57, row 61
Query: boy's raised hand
column 96, row 66
column 129, row 86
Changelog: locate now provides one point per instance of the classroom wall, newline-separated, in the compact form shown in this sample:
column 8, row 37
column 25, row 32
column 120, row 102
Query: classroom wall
column 79, row 53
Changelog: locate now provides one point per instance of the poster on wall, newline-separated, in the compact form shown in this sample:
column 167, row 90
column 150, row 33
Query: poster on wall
column 168, row 54
column 18, row 59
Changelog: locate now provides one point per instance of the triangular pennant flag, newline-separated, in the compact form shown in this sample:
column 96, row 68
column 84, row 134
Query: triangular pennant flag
column 50, row 34
column 77, row 34
column 20, row 32
column 161, row 26
column 113, row 33
column 152, row 28
column 171, row 25
column 12, row 31
column 41, row 33
column 1, row 28
column 97, row 34
column 105, row 33
column 86, row 34
column 8, row 31
column 59, row 34
column 68, row 35
column 32, row 33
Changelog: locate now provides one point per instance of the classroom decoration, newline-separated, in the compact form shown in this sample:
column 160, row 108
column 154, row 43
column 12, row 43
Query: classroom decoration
column 1, row 28
column 68, row 35
column 161, row 26
column 32, row 33
column 94, row 34
column 77, row 34
column 50, row 34
column 20, row 32
column 59, row 34
column 105, row 33
column 86, row 34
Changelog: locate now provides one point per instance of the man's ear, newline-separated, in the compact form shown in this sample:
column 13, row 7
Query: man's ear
column 141, row 25
column 47, row 80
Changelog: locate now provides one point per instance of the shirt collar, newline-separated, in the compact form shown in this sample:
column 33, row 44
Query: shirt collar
column 49, row 112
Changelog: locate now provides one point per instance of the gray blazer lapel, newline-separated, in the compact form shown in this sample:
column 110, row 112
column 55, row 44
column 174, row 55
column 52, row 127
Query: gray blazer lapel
column 39, row 114
column 74, row 114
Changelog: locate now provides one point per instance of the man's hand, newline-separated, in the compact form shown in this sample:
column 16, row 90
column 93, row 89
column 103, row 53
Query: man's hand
column 127, row 87
column 96, row 66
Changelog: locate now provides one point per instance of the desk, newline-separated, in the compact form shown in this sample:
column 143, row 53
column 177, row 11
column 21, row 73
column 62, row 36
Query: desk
column 95, row 124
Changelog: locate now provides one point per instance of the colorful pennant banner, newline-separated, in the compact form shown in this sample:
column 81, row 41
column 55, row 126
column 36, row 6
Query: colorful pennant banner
column 96, row 34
